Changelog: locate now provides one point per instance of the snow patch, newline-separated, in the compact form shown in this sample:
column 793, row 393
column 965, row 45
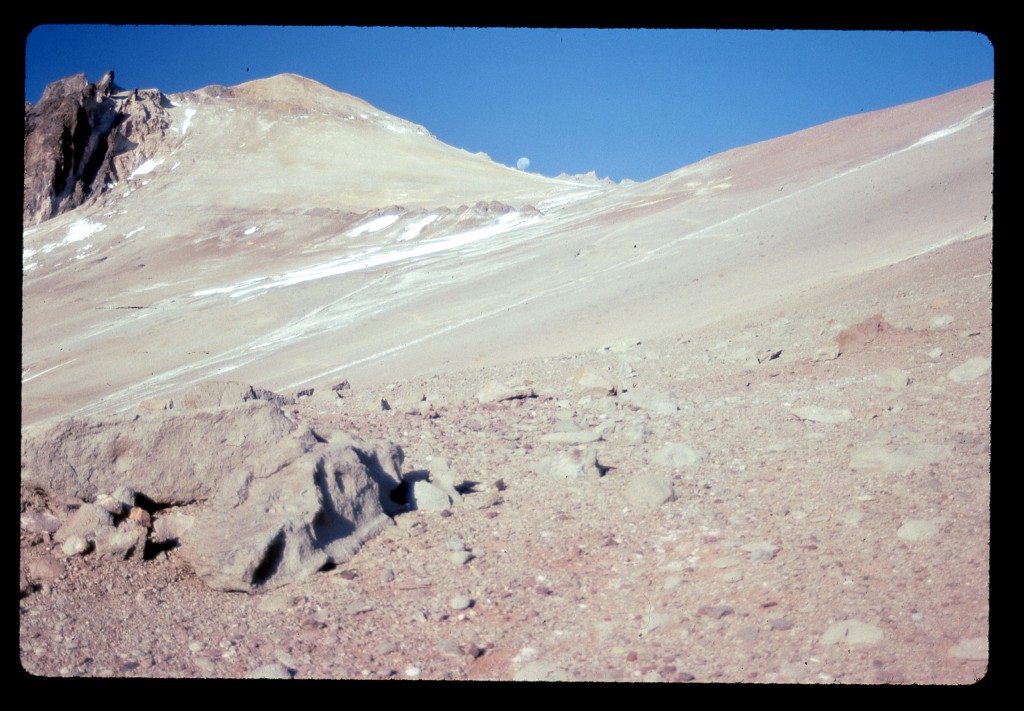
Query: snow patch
column 189, row 113
column 148, row 167
column 252, row 230
column 82, row 229
column 412, row 231
column 363, row 261
column 375, row 225
column 958, row 126
column 134, row 232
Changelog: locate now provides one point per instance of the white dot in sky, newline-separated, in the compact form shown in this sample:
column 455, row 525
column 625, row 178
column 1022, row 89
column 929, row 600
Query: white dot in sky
column 523, row 163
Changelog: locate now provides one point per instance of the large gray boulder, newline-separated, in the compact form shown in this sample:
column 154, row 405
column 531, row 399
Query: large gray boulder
column 171, row 456
column 317, row 508
column 276, row 501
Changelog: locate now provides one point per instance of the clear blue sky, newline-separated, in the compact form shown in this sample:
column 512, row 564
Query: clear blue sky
column 626, row 103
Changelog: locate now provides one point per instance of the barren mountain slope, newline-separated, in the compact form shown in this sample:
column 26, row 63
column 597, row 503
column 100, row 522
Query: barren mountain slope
column 794, row 468
column 253, row 250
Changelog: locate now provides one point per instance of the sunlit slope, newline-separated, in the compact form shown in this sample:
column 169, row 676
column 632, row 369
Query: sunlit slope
column 254, row 252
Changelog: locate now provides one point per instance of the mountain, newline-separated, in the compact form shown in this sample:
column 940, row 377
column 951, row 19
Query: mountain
column 285, row 233
column 429, row 417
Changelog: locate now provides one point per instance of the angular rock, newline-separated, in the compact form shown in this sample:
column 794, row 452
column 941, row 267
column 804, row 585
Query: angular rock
column 128, row 540
column 589, row 381
column 171, row 456
column 649, row 491
column 496, row 392
column 677, row 455
column 541, row 671
column 45, row 569
column 971, row 369
column 426, row 496
column 917, row 530
column 879, row 458
column 89, row 521
column 74, row 545
column 568, row 466
column 39, row 522
column 171, row 527
column 442, row 475
column 826, row 352
column 852, row 633
column 971, row 648
column 266, row 529
column 662, row 402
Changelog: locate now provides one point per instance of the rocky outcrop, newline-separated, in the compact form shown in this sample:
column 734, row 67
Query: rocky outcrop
column 274, row 500
column 81, row 138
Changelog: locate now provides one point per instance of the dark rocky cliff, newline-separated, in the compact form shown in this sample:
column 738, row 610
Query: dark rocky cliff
column 81, row 137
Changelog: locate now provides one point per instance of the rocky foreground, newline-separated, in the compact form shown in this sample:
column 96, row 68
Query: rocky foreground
column 794, row 496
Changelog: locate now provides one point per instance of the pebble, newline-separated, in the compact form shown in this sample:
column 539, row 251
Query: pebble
column 460, row 557
column 269, row 671
column 972, row 648
column 852, row 632
column 973, row 368
column 917, row 530
column 715, row 612
column 74, row 545
column 541, row 671
column 761, row 550
column 648, row 491
column 459, row 602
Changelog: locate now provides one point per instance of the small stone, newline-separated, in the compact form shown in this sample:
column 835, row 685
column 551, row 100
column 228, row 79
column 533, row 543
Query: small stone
column 460, row 602
column 649, row 491
column 196, row 647
column 917, row 530
column 45, row 569
column 972, row 648
column 852, row 632
column 715, row 612
column 780, row 623
column 472, row 650
column 460, row 557
column 450, row 647
column 274, row 670
column 541, row 671
column 892, row 379
column 455, row 544
column 762, row 550
column 973, row 368
column 74, row 545
column 631, row 657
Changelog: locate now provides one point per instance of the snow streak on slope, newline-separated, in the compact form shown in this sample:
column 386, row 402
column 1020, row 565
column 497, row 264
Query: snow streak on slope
column 372, row 258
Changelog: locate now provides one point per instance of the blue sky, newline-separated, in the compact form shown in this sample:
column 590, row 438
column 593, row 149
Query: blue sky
column 626, row 103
